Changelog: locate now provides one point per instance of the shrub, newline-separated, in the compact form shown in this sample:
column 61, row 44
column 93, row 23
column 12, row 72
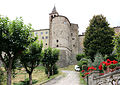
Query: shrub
column 104, row 67
column 111, row 57
column 2, row 77
column 55, row 70
column 83, row 61
column 80, row 56
column 112, row 66
column 98, row 59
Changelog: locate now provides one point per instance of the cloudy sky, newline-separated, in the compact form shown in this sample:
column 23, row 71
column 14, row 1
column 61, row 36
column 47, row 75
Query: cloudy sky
column 80, row 12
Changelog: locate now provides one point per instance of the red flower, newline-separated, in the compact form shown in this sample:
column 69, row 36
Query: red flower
column 82, row 70
column 100, row 67
column 114, row 62
column 91, row 68
column 86, row 73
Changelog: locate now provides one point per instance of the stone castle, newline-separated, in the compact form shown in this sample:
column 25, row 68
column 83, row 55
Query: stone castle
column 62, row 35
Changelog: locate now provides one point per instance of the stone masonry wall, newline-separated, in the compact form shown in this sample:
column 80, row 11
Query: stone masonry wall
column 112, row 78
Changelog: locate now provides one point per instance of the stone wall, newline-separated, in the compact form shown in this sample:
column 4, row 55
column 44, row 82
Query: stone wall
column 112, row 78
column 80, row 44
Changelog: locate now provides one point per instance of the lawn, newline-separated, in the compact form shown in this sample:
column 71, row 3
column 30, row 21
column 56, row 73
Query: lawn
column 38, row 76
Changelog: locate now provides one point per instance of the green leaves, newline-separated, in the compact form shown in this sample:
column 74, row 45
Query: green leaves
column 98, row 37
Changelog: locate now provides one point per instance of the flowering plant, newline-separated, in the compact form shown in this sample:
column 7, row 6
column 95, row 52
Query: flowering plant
column 91, row 68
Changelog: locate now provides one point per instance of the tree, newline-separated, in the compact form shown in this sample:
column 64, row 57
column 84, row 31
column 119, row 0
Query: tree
column 50, row 58
column 31, row 58
column 14, row 37
column 116, row 42
column 98, row 37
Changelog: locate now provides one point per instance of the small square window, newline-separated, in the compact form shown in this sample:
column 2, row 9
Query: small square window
column 46, row 37
column 73, row 38
column 56, row 40
column 57, row 46
column 35, row 33
column 46, row 32
column 46, row 43
column 41, row 33
column 42, row 37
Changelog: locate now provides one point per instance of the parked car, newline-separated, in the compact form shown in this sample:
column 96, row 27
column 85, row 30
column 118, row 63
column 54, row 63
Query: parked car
column 77, row 68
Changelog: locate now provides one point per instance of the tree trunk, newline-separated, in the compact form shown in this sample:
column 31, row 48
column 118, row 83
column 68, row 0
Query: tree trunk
column 9, row 76
column 30, row 78
column 48, row 72
column 52, row 71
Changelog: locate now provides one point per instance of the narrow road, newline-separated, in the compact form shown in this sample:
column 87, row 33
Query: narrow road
column 71, row 78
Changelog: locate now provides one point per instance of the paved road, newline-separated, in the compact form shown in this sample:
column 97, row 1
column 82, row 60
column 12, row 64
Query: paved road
column 71, row 78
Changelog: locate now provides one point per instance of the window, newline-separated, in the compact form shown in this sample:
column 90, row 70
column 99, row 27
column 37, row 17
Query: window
column 73, row 38
column 64, row 22
column 46, row 43
column 57, row 46
column 71, row 34
column 73, row 45
column 42, row 37
column 41, row 33
column 46, row 37
column 46, row 32
column 35, row 33
column 56, row 40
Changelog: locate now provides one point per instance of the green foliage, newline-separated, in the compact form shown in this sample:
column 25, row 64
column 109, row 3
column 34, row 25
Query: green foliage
column 83, row 61
column 98, row 59
column 98, row 37
column 104, row 67
column 112, row 66
column 25, row 82
column 111, row 57
column 32, row 57
column 2, row 77
column 55, row 70
column 50, row 58
column 14, row 38
column 79, row 56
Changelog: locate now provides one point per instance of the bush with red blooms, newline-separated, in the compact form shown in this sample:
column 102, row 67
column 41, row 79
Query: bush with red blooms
column 83, row 71
column 91, row 68
column 106, row 63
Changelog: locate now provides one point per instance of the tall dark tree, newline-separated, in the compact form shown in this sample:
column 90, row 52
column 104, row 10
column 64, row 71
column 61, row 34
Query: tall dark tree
column 98, row 37
column 14, row 37
column 31, row 58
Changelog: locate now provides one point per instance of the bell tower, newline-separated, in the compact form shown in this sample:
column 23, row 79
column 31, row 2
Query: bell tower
column 53, row 14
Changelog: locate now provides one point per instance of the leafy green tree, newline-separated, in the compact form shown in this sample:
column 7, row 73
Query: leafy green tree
column 116, row 42
column 31, row 58
column 98, row 37
column 14, row 37
column 50, row 58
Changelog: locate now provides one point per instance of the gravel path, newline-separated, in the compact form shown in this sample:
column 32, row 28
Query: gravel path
column 71, row 78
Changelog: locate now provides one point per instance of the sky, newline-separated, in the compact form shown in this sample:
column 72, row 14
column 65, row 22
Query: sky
column 79, row 12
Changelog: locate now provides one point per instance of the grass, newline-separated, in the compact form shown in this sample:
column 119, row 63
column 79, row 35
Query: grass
column 70, row 68
column 38, row 75
column 82, row 80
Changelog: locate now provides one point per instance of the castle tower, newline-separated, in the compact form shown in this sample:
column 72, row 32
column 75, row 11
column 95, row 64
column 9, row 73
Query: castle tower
column 60, row 37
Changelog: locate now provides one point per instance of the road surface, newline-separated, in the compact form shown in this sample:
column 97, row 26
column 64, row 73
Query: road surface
column 71, row 78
